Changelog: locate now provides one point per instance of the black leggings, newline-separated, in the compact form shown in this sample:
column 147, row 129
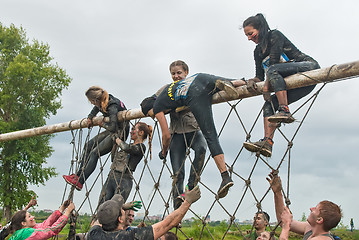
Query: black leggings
column 276, row 74
column 199, row 100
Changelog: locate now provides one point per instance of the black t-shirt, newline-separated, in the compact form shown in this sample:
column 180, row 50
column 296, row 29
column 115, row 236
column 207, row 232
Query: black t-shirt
column 143, row 233
column 174, row 95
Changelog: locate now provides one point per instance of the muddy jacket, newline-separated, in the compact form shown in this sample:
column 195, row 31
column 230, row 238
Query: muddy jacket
column 49, row 228
column 273, row 47
column 113, row 107
column 143, row 233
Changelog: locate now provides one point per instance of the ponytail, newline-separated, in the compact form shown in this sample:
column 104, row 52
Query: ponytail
column 148, row 131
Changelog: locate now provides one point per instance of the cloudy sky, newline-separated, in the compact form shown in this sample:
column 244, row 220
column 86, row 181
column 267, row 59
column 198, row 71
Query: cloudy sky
column 126, row 47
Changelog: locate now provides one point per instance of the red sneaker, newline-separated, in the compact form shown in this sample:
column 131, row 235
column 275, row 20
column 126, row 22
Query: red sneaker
column 73, row 180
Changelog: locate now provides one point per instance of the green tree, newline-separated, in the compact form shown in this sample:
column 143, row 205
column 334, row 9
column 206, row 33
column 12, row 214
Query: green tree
column 304, row 218
column 30, row 86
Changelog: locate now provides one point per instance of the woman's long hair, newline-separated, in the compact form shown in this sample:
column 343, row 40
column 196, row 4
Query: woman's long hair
column 96, row 93
column 260, row 23
column 16, row 221
column 148, row 130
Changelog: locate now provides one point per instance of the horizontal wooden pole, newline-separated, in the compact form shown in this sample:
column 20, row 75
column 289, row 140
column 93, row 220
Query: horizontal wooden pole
column 330, row 74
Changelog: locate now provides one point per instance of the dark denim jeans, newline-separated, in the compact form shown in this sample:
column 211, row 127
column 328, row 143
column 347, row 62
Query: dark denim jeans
column 276, row 74
column 178, row 150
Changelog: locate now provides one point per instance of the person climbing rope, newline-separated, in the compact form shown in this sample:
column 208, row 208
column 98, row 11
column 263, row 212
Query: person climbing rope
column 276, row 57
column 125, row 161
column 103, row 143
column 23, row 224
column 196, row 93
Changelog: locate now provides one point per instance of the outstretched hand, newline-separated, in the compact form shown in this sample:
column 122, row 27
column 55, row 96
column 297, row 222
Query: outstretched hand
column 274, row 181
column 31, row 203
column 193, row 195
column 134, row 205
column 64, row 205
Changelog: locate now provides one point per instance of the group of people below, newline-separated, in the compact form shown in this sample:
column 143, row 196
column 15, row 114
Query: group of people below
column 275, row 57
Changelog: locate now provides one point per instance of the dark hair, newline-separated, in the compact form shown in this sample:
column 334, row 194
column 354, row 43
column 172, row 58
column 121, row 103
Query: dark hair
column 265, row 214
column 260, row 23
column 331, row 214
column 181, row 64
column 170, row 236
column 16, row 221
column 147, row 104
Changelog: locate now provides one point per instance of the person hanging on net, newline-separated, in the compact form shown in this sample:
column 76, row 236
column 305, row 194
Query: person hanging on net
column 23, row 225
column 125, row 161
column 185, row 134
column 196, row 93
column 276, row 58
column 111, row 220
column 102, row 143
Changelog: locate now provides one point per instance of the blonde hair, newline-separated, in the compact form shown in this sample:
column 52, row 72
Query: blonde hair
column 96, row 93
column 148, row 130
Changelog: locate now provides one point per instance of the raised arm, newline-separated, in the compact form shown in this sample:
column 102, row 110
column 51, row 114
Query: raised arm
column 54, row 228
column 276, row 185
column 287, row 218
column 176, row 216
column 31, row 203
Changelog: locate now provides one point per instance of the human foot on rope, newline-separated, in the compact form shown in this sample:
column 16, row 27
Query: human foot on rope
column 228, row 87
column 263, row 146
column 225, row 185
column 283, row 115
column 73, row 180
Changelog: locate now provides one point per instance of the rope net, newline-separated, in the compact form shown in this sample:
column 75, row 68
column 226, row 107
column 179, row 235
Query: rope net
column 154, row 180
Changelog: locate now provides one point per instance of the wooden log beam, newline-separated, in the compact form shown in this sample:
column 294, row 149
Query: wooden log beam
column 330, row 74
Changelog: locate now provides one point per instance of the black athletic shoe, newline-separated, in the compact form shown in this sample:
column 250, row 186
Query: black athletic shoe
column 225, row 185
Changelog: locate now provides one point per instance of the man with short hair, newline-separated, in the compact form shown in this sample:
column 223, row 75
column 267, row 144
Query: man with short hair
column 261, row 220
column 323, row 217
column 130, row 214
column 111, row 216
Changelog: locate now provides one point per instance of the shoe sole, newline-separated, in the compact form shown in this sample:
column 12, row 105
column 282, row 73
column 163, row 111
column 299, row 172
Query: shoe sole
column 224, row 190
column 229, row 89
column 77, row 188
column 279, row 119
column 254, row 148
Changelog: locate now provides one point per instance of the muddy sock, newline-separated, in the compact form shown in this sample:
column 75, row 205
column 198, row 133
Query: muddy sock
column 225, row 175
